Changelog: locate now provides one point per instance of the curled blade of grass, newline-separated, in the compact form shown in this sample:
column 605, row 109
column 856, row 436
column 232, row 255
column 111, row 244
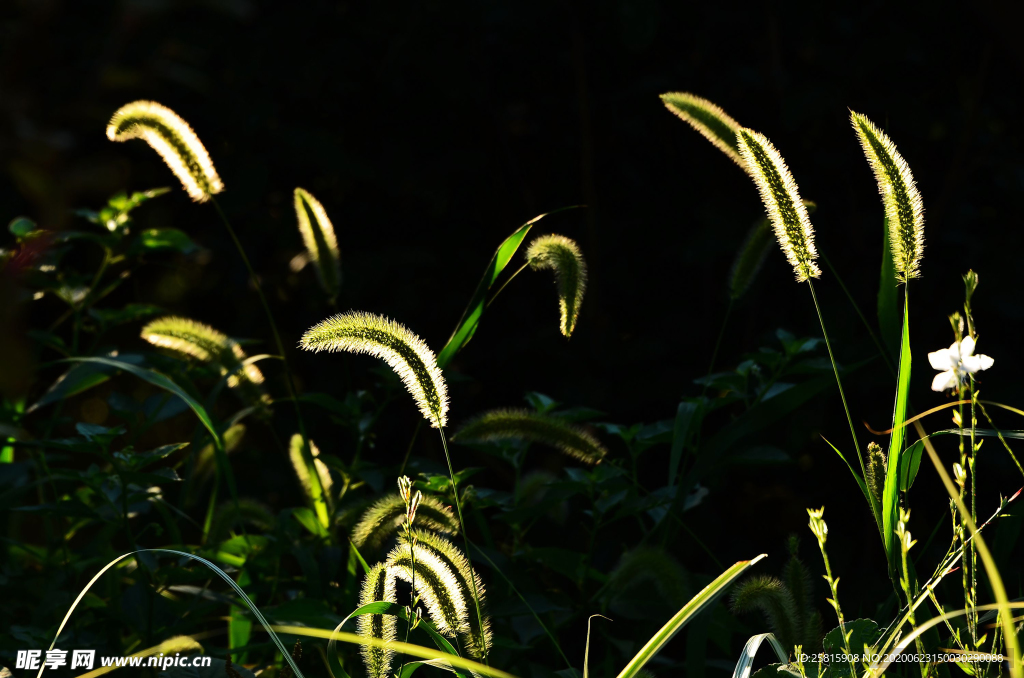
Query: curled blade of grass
column 407, row 354
column 174, row 140
column 904, row 209
column 563, row 256
column 320, row 241
column 586, row 651
column 706, row 597
column 191, row 338
column 395, row 645
column 746, row 660
column 387, row 514
column 435, row 582
column 216, row 570
column 470, row 585
column 749, row 259
column 708, row 119
column 521, row 424
column 782, row 201
column 378, row 585
column 319, row 494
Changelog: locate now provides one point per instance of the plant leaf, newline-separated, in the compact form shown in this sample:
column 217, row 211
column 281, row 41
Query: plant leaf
column 909, row 465
column 696, row 605
column 890, row 493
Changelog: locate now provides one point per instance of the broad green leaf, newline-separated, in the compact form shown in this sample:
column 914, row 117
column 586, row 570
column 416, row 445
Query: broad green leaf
column 79, row 378
column 478, row 302
column 239, row 624
column 164, row 239
column 888, row 296
column 688, row 416
column 21, row 226
column 891, row 491
column 909, row 465
column 696, row 605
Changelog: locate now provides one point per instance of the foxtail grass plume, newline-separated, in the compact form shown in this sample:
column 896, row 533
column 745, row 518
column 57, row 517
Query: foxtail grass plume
column 435, row 583
column 403, row 351
column 320, row 241
column 900, row 197
column 782, row 202
column 302, row 471
column 383, row 518
column 750, row 258
column 711, row 121
column 478, row 636
column 563, row 256
column 535, row 427
column 174, row 140
column 378, row 585
column 188, row 337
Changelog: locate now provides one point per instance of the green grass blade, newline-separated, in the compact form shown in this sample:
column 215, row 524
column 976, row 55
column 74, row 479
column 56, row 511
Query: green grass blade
column 216, row 570
column 891, row 491
column 888, row 297
column 746, row 660
column 696, row 605
column 471, row 316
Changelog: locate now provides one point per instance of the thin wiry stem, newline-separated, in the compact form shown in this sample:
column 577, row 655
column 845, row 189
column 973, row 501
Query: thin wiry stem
column 718, row 345
column 462, row 523
column 831, row 357
column 289, row 382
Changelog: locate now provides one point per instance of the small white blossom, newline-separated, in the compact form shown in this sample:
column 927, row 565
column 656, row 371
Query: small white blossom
column 955, row 363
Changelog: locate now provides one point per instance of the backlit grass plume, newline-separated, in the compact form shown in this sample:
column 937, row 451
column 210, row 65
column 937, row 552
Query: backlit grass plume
column 302, row 473
column 378, row 585
column 387, row 514
column 521, row 424
column 174, row 140
column 902, row 200
column 708, row 119
column 319, row 239
column 782, row 202
column 563, row 256
column 403, row 351
column 435, row 583
column 478, row 635
column 188, row 337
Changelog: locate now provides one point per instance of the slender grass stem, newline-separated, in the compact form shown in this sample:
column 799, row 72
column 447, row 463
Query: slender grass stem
column 307, row 453
column 718, row 345
column 462, row 523
column 828, row 345
column 505, row 284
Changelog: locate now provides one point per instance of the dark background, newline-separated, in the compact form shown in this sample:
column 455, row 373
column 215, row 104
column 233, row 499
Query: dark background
column 431, row 130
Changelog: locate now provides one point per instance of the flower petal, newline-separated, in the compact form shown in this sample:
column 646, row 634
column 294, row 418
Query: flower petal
column 974, row 363
column 986, row 361
column 941, row 359
column 944, row 380
column 966, row 347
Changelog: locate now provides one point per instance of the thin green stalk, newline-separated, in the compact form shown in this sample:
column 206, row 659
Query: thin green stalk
column 462, row 522
column 973, row 616
column 306, row 452
column 831, row 357
column 718, row 345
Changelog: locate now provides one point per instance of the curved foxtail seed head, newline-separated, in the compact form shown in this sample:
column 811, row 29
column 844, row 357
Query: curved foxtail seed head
column 711, row 121
column 378, row 585
column 436, row 585
column 478, row 637
column 563, row 256
column 535, row 427
column 900, row 197
column 403, row 351
column 192, row 338
column 319, row 239
column 302, row 471
column 383, row 518
column 782, row 202
column 174, row 140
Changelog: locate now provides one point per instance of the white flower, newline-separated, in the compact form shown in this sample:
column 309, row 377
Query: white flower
column 955, row 363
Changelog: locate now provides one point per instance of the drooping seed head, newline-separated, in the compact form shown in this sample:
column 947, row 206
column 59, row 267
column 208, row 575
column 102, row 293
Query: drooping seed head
column 383, row 518
column 711, row 121
column 403, row 351
column 319, row 239
column 782, row 202
column 900, row 197
column 174, row 140
column 563, row 256
column 436, row 584
column 378, row 585
column 521, row 424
